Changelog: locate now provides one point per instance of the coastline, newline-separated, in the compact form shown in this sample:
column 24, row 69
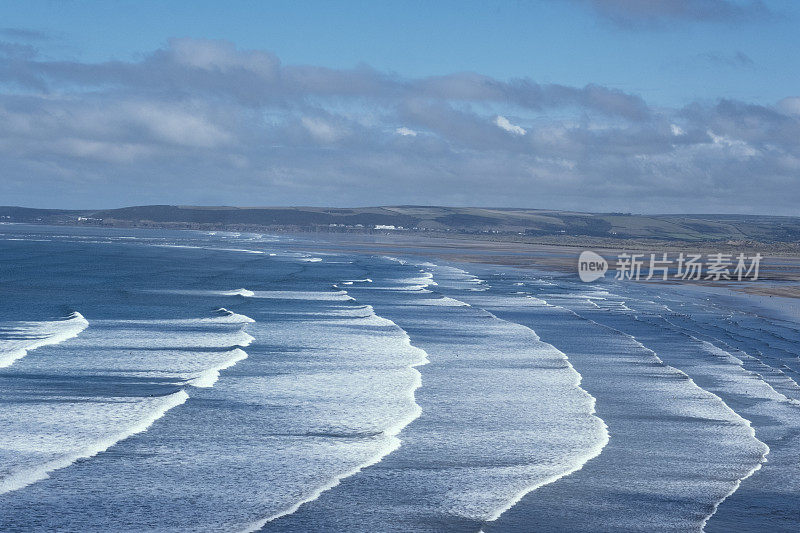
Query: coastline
column 779, row 277
column 780, row 274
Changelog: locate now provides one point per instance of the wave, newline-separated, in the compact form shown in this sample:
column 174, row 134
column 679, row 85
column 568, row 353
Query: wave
column 339, row 295
column 458, row 278
column 590, row 453
column 729, row 336
column 444, row 300
column 39, row 436
column 231, row 317
column 395, row 443
column 764, row 449
column 18, row 338
column 390, row 433
column 741, row 379
column 213, row 248
column 755, row 450
column 775, row 379
column 418, row 283
column 21, row 479
column 480, row 466
column 238, row 292
column 224, row 316
column 207, row 378
column 183, row 349
column 207, row 292
column 598, row 441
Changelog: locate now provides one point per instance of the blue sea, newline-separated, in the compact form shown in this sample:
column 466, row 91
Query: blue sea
column 155, row 380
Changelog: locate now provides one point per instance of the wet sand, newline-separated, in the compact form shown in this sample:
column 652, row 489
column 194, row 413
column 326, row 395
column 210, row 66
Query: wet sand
column 779, row 274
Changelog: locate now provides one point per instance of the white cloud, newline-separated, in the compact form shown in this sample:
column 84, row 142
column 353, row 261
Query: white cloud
column 222, row 56
column 102, row 151
column 503, row 123
column 405, row 132
column 205, row 121
column 177, row 126
column 321, row 130
column 735, row 147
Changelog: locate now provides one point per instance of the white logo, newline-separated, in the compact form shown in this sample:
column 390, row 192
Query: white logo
column 591, row 266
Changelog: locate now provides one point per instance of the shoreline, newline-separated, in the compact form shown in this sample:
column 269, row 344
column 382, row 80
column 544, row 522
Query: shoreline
column 779, row 277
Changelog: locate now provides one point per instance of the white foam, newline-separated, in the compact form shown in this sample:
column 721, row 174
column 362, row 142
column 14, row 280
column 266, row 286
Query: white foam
column 207, row 378
column 728, row 373
column 489, row 369
column 40, row 435
column 374, row 347
column 18, row 338
column 733, row 416
column 414, row 284
column 487, row 504
column 425, row 279
column 206, row 292
column 231, row 317
column 79, row 438
column 217, row 249
column 444, row 300
column 238, row 292
column 181, row 349
column 457, row 278
column 225, row 317
column 339, row 295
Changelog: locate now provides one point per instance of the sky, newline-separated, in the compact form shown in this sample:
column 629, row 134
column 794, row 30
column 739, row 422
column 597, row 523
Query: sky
column 664, row 106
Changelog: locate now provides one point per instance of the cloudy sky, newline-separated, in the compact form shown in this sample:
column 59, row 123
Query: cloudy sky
column 594, row 105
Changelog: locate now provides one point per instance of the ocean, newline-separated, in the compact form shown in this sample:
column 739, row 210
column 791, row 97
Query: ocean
column 155, row 380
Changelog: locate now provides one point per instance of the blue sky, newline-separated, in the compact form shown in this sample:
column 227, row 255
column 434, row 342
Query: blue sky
column 554, row 41
column 697, row 66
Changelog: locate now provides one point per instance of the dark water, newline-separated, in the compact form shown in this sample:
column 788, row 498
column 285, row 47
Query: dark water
column 185, row 381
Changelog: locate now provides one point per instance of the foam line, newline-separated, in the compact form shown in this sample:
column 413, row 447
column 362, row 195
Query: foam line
column 20, row 480
column 764, row 448
column 340, row 295
column 207, row 378
column 392, row 431
column 591, row 453
column 230, row 316
column 235, row 292
column 27, row 336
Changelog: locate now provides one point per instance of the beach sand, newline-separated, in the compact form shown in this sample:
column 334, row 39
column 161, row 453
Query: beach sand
column 779, row 275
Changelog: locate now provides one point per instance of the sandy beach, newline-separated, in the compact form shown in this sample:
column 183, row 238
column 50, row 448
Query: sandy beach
column 779, row 275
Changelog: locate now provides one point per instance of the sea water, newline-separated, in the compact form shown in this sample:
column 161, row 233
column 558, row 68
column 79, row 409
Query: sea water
column 188, row 381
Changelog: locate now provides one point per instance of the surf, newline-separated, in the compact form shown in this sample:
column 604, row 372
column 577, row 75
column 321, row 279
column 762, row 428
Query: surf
column 19, row 338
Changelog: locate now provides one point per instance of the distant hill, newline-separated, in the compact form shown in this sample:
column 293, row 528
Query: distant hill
column 464, row 220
